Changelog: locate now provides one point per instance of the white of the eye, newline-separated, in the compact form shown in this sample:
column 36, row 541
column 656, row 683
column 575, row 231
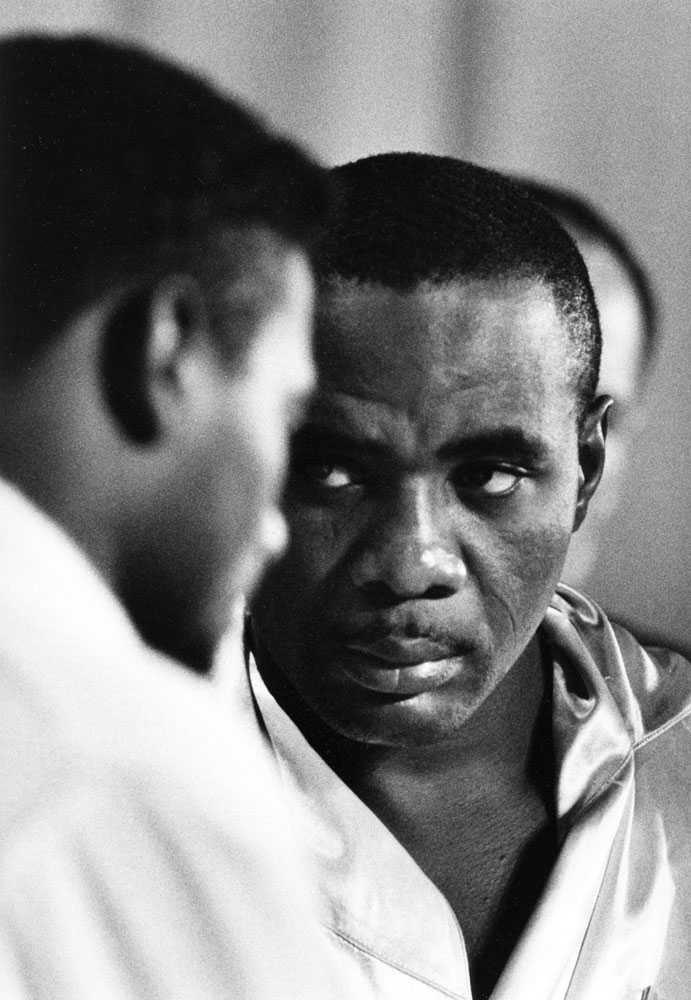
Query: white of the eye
column 500, row 482
column 336, row 478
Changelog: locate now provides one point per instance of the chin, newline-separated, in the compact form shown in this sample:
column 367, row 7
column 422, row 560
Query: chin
column 422, row 720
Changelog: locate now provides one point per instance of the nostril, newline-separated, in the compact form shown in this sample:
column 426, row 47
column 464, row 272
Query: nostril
column 381, row 595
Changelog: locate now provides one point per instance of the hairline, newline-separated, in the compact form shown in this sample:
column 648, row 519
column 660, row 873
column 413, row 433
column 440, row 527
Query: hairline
column 329, row 282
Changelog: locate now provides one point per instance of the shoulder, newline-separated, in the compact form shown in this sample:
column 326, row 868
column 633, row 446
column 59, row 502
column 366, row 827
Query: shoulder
column 161, row 815
column 143, row 725
column 652, row 683
column 130, row 887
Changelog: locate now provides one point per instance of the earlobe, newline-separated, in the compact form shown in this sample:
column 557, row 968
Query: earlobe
column 591, row 455
column 145, row 337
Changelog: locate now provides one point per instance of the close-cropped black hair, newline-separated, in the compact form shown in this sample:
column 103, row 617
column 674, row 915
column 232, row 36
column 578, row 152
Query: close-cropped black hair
column 117, row 165
column 584, row 221
column 407, row 218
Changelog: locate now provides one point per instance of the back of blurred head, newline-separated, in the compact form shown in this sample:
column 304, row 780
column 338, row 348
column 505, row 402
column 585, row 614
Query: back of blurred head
column 630, row 331
column 154, row 262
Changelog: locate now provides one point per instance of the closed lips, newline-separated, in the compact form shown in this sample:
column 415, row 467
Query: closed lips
column 402, row 679
column 399, row 651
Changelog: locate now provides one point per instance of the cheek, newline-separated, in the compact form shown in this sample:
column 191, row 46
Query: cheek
column 241, row 491
column 319, row 540
column 232, row 491
column 254, row 443
column 517, row 579
column 535, row 546
column 526, row 569
column 544, row 551
column 291, row 606
column 262, row 462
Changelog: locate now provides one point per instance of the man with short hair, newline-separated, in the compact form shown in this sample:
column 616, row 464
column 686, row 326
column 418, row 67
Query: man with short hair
column 154, row 264
column 495, row 778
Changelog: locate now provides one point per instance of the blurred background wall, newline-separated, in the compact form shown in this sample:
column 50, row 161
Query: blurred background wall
column 594, row 94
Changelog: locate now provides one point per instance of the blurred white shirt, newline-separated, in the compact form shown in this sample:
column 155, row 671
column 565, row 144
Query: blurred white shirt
column 143, row 845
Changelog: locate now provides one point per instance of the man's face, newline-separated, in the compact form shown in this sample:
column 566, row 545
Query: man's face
column 430, row 502
column 266, row 402
column 220, row 519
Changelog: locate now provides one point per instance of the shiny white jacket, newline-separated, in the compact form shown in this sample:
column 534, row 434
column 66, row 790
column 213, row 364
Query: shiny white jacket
column 614, row 922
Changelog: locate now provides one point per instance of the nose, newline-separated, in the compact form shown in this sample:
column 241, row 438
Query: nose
column 273, row 534
column 410, row 551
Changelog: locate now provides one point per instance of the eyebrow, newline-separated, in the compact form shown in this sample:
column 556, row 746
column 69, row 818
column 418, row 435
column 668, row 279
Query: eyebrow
column 508, row 442
column 314, row 435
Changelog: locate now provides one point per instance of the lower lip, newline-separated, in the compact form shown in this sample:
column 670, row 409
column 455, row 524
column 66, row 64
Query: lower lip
column 411, row 679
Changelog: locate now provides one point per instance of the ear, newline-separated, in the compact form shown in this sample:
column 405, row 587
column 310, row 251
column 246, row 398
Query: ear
column 591, row 455
column 146, row 336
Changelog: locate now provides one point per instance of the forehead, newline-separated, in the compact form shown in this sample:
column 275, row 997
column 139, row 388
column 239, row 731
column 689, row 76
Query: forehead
column 479, row 343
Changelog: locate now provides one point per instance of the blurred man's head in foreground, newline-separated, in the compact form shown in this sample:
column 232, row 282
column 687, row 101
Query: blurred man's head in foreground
column 155, row 313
